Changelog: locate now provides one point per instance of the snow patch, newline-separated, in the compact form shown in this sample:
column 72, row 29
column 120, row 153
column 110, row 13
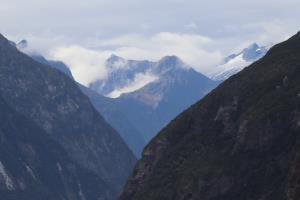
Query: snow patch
column 7, row 180
column 226, row 70
column 59, row 167
column 29, row 170
column 81, row 195
column 140, row 80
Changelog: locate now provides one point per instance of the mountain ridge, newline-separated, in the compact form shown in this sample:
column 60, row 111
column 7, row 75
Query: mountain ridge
column 55, row 103
column 236, row 62
column 239, row 142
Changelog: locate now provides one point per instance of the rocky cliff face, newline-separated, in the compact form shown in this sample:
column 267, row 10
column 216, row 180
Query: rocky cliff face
column 33, row 166
column 240, row 142
column 55, row 103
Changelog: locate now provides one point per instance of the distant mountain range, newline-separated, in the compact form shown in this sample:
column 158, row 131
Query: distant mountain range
column 105, row 107
column 147, row 95
column 174, row 88
column 240, row 142
column 124, row 76
column 151, row 94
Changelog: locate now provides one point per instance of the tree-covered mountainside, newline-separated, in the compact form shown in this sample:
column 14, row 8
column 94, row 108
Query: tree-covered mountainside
column 240, row 142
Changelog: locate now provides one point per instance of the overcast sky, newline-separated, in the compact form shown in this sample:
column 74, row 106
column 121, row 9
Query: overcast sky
column 83, row 33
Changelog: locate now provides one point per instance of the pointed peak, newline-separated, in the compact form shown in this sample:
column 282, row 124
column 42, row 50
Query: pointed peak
column 254, row 52
column 253, row 46
column 3, row 39
column 115, row 62
column 22, row 44
column 170, row 61
column 114, row 57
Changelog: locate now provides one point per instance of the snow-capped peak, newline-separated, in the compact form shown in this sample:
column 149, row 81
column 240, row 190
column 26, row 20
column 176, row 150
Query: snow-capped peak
column 236, row 62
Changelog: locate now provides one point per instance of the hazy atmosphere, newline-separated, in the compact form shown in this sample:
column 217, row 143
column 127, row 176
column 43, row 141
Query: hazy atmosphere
column 84, row 34
column 149, row 100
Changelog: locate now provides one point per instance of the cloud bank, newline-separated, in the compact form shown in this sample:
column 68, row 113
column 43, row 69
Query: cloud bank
column 88, row 65
column 84, row 33
column 140, row 80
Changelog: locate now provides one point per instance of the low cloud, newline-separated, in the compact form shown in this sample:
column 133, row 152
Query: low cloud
column 86, row 57
column 140, row 80
column 88, row 64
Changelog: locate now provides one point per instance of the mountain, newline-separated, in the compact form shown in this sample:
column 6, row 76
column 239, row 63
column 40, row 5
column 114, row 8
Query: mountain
column 236, row 62
column 114, row 116
column 55, row 103
column 107, row 108
column 53, row 63
column 176, row 87
column 33, row 166
column 121, row 74
column 23, row 44
column 239, row 142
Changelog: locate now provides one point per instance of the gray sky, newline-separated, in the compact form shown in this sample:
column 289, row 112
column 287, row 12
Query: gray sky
column 83, row 33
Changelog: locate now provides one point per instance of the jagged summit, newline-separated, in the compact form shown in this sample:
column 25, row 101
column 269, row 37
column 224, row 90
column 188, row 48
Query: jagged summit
column 253, row 52
column 240, row 142
column 114, row 58
column 170, row 59
column 236, row 62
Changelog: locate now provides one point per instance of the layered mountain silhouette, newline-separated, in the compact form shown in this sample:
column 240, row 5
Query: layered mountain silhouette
column 107, row 108
column 53, row 63
column 116, row 118
column 55, row 104
column 170, row 87
column 239, row 142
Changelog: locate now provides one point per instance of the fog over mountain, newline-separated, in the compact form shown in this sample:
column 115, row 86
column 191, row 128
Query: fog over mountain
column 149, row 100
column 84, row 34
column 239, row 142
column 147, row 95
